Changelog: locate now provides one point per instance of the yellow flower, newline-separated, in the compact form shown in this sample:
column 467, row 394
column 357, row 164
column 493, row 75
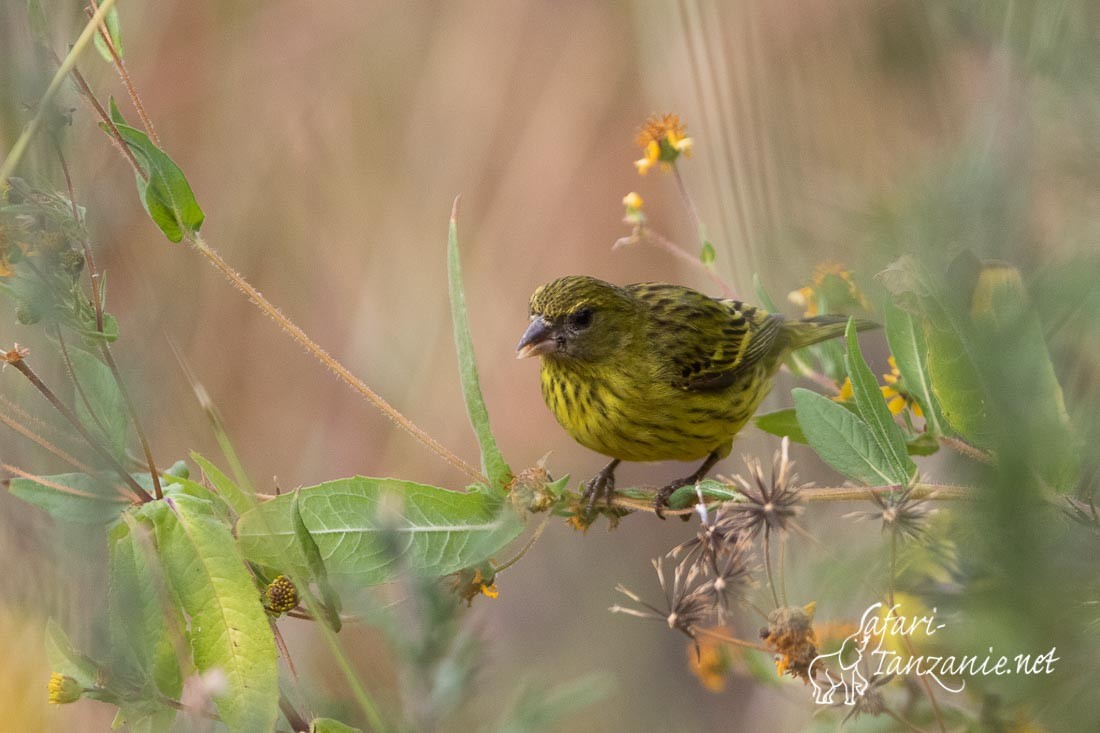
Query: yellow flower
column 835, row 283
column 63, row 689
column 845, row 392
column 472, row 582
column 897, row 399
column 711, row 661
column 486, row 589
column 632, row 201
column 662, row 139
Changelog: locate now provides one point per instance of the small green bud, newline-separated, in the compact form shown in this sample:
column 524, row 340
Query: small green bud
column 280, row 595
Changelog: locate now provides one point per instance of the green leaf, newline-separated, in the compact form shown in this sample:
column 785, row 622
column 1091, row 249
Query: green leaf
column 707, row 255
column 711, row 490
column 492, row 461
column 906, row 339
column 229, row 628
column 842, row 439
column 114, row 30
column 166, row 196
column 924, row 444
column 138, row 629
column 328, row 725
column 872, row 408
column 330, row 601
column 239, row 500
column 108, row 418
column 116, row 116
column 783, row 423
column 72, row 497
column 369, row 530
column 957, row 382
column 65, row 659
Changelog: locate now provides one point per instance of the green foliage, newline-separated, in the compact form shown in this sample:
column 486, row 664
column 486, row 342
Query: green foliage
column 707, row 255
column 843, row 440
column 330, row 601
column 784, row 423
column 229, row 628
column 874, row 412
column 238, row 500
column 114, row 30
column 906, row 338
column 362, row 525
column 166, row 195
column 142, row 650
column 107, row 416
column 93, row 501
column 492, row 460
column 328, row 725
column 65, row 659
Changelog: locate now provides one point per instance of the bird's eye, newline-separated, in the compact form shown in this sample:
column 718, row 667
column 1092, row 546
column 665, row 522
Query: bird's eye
column 581, row 319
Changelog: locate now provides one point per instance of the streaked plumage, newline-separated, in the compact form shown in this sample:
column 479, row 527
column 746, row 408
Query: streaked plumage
column 653, row 371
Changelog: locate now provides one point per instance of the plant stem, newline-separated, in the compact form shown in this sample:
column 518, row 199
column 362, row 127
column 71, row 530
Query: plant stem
column 132, row 410
column 961, row 446
column 323, row 356
column 20, row 147
column 530, row 543
column 46, row 482
column 647, row 234
column 732, row 640
column 146, row 122
column 35, row 437
column 115, row 135
column 25, row 370
column 370, row 710
column 768, row 565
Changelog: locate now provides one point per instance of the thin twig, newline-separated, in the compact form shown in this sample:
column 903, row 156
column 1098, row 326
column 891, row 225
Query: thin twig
column 530, row 543
column 732, row 640
column 116, row 136
column 323, row 356
column 650, row 235
column 25, row 370
column 54, row 485
column 146, row 122
column 768, row 565
column 38, row 439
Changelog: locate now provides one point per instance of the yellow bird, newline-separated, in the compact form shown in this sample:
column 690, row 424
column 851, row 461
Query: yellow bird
column 655, row 372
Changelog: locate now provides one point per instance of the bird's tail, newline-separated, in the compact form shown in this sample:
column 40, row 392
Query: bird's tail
column 807, row 331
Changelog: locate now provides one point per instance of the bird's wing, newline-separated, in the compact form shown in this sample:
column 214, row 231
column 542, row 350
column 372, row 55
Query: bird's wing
column 702, row 343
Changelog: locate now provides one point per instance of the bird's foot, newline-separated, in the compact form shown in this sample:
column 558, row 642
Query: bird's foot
column 660, row 500
column 602, row 486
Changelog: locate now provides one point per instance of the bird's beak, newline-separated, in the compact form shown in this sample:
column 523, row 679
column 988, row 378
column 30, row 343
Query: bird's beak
column 537, row 340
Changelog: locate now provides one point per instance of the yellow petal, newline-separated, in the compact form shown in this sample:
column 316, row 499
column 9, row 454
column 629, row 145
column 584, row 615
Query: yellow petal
column 896, row 405
column 916, row 409
column 643, row 165
column 490, row 590
column 633, row 201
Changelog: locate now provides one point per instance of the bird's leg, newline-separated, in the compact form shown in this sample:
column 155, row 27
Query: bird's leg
column 660, row 501
column 602, row 485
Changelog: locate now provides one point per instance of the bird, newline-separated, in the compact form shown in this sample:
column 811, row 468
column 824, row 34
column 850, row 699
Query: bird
column 655, row 371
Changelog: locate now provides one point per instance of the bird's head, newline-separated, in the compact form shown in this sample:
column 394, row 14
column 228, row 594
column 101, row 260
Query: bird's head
column 579, row 318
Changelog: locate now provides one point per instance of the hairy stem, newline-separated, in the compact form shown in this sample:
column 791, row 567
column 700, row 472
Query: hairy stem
column 323, row 356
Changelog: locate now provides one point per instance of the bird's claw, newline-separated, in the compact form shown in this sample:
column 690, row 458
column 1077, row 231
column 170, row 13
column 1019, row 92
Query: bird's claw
column 660, row 500
column 602, row 486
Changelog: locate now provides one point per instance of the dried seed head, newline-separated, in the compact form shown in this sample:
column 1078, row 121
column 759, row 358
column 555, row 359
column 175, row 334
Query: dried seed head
column 769, row 504
column 790, row 633
column 898, row 512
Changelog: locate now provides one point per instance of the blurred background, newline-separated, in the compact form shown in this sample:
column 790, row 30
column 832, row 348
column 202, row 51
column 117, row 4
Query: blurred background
column 326, row 143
